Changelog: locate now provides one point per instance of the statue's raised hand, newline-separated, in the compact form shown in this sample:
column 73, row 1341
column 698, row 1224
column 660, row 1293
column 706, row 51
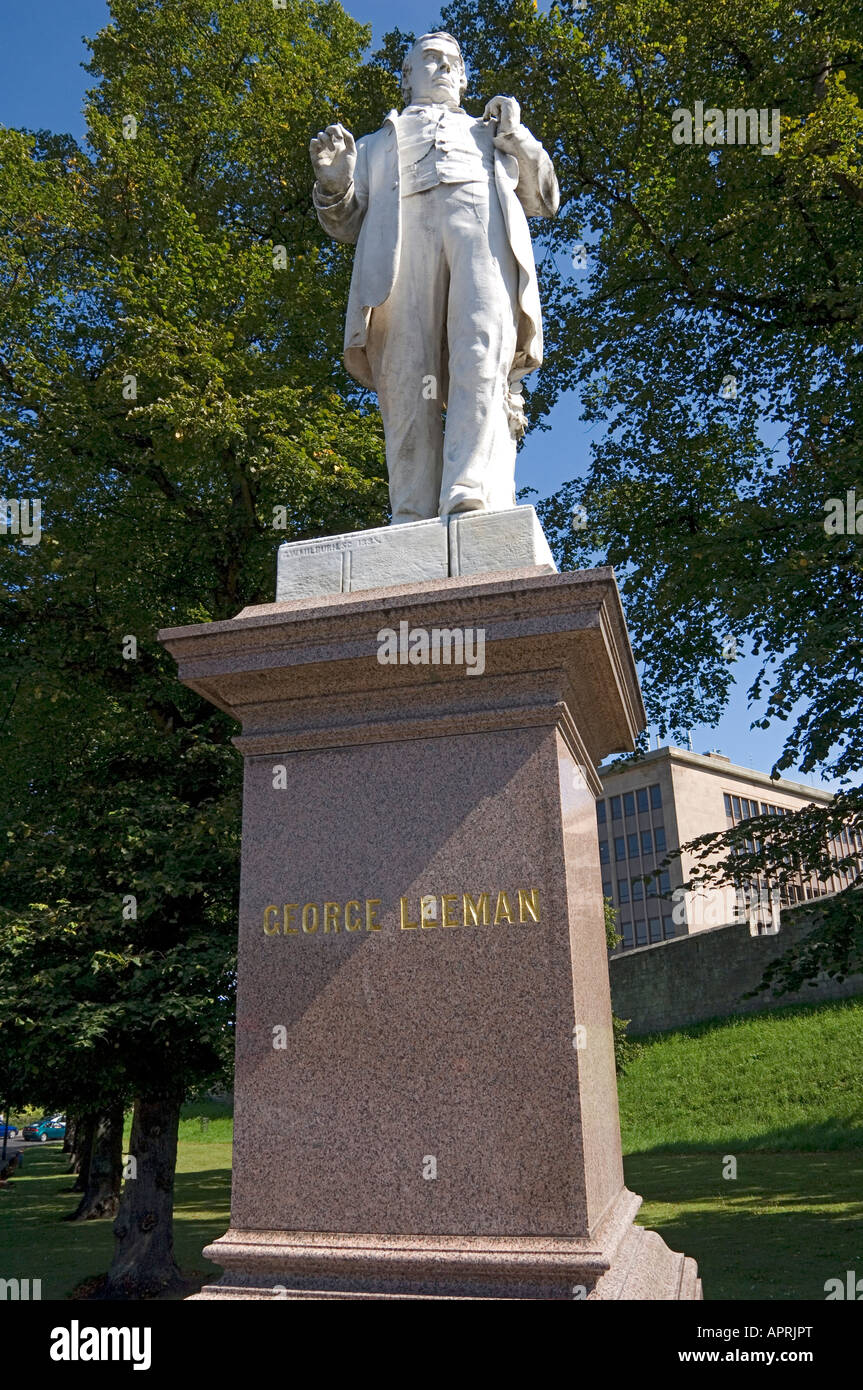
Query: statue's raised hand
column 333, row 154
column 506, row 114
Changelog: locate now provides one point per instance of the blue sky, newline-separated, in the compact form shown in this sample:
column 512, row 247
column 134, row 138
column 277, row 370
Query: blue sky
column 42, row 85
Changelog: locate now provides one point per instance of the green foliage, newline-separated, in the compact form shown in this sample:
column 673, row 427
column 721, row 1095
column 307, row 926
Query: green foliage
column 625, row 1050
column 612, row 935
column 714, row 338
column 834, row 949
column 189, row 259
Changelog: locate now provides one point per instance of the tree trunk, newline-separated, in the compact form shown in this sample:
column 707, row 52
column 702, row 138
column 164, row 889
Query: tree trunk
column 105, row 1170
column 69, row 1140
column 143, row 1262
column 80, row 1158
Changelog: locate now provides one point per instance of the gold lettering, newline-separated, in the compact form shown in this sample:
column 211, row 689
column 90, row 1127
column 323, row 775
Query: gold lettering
column 473, row 909
column 351, row 923
column 287, row 913
column 503, row 909
column 372, row 924
column 331, row 916
column 446, row 899
column 428, row 910
column 406, row 923
column 310, row 911
column 270, row 931
column 528, row 904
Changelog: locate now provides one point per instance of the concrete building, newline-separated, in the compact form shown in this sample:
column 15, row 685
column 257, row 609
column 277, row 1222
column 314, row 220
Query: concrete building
column 669, row 797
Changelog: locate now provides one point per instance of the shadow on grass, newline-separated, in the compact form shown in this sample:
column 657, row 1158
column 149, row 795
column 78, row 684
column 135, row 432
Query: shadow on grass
column 785, row 1225
column 36, row 1243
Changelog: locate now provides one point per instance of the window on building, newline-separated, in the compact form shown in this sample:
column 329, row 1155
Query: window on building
column 656, row 796
column 626, row 932
column 637, row 890
column 735, row 802
column 629, row 803
column 641, row 798
column 641, row 933
column 615, row 808
column 603, row 851
column 606, row 888
column 600, row 813
column 655, row 929
column 728, row 810
column 665, row 881
column 623, row 889
column 668, row 927
column 632, row 842
column 659, row 837
column 619, row 847
column 646, row 842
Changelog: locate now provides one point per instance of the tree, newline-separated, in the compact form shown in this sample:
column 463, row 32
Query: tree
column 624, row 1049
column 705, row 300
column 170, row 391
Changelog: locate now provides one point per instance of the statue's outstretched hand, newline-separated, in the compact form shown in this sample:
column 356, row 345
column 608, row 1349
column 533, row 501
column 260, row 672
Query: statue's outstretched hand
column 506, row 112
column 333, row 153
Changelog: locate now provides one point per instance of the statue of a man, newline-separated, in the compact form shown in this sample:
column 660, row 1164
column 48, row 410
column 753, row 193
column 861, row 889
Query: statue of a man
column 444, row 305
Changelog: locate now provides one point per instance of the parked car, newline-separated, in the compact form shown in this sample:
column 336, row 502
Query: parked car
column 11, row 1130
column 49, row 1127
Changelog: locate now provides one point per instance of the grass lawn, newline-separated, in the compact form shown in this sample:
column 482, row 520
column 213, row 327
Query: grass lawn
column 35, row 1243
column 781, row 1092
column 788, row 1222
column 787, row 1080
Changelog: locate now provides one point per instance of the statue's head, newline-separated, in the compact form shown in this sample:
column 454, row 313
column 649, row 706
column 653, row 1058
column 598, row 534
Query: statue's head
column 433, row 71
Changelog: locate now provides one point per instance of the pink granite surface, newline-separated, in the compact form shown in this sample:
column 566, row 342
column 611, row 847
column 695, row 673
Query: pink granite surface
column 448, row 1042
column 481, row 1051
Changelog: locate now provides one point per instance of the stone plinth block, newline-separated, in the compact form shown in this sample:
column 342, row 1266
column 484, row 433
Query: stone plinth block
column 357, row 560
column 469, row 543
column 426, row 1102
column 484, row 541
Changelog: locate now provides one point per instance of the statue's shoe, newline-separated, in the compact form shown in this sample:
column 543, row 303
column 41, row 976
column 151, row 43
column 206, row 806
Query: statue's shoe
column 462, row 499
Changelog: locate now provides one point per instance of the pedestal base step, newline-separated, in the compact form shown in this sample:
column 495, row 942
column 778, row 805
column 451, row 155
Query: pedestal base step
column 623, row 1261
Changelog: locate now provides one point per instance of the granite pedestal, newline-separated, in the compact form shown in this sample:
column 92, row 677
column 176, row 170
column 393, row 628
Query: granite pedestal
column 426, row 1102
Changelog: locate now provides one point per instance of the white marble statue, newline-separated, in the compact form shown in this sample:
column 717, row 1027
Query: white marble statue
column 444, row 306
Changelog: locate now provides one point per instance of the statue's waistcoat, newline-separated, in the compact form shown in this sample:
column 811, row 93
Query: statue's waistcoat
column 437, row 145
